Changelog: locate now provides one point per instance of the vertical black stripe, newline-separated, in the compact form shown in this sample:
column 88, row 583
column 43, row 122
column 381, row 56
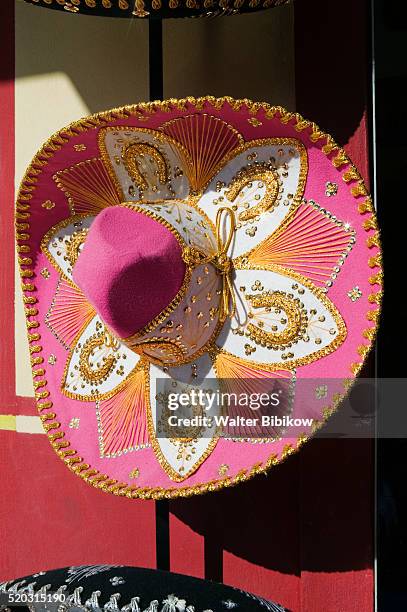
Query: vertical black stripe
column 162, row 529
column 155, row 50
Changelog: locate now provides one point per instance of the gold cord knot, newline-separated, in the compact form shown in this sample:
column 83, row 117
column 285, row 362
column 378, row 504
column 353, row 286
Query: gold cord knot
column 193, row 257
column 224, row 264
column 220, row 260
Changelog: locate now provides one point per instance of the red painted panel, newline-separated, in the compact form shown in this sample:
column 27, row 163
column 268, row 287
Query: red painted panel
column 337, row 502
column 10, row 403
column 270, row 584
column 50, row 518
column 7, row 380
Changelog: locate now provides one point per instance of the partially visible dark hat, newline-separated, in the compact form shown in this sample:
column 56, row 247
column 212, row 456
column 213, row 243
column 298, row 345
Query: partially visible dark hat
column 158, row 8
column 94, row 588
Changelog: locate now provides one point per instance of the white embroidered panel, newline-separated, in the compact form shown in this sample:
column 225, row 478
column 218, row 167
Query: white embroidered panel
column 118, row 141
column 260, row 204
column 194, row 320
column 192, row 226
column 98, row 363
column 280, row 320
column 182, row 456
column 58, row 245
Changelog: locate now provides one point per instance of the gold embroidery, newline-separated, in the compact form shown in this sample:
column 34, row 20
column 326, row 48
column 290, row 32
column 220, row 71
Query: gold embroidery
column 160, row 350
column 244, row 178
column 88, row 187
column 366, row 206
column 131, row 158
column 171, row 473
column 192, row 257
column 223, row 469
column 295, row 320
column 351, row 175
column 254, row 122
column 223, row 263
column 75, row 221
column 203, row 142
column 48, row 205
column 376, row 279
column 102, row 370
column 74, row 244
column 321, row 295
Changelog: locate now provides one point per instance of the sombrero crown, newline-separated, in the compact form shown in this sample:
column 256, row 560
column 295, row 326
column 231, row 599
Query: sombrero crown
column 227, row 240
column 137, row 269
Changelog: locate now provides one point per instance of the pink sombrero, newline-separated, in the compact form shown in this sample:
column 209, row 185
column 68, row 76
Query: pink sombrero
column 198, row 239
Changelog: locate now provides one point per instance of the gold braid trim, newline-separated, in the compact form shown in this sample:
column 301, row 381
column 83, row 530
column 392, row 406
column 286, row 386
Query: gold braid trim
column 137, row 8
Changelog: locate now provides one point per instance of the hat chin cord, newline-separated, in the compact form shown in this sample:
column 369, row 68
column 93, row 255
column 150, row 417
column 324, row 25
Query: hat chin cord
column 220, row 260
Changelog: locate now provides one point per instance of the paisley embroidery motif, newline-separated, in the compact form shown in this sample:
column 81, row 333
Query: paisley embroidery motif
column 92, row 370
column 145, row 164
column 242, row 185
column 280, row 319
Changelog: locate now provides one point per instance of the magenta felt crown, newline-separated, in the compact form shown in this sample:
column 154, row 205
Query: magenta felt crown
column 130, row 268
column 207, row 243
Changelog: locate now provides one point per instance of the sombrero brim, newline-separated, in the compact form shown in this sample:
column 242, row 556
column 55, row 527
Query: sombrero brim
column 320, row 246
column 118, row 587
column 158, row 9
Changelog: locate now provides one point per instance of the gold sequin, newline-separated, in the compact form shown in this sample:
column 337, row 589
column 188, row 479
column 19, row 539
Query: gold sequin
column 321, row 391
column 254, row 122
column 331, row 189
column 48, row 205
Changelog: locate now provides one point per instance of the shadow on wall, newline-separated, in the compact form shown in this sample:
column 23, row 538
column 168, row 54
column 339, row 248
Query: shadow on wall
column 247, row 56
column 312, row 513
column 332, row 67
